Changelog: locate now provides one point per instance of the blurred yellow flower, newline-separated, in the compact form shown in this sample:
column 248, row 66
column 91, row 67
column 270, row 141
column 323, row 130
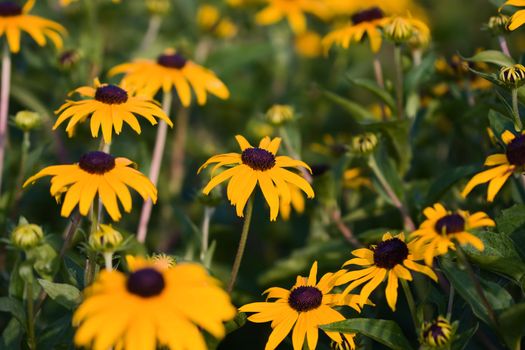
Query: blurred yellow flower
column 348, row 7
column 402, row 29
column 171, row 71
column 207, row 16
column 518, row 18
column 308, row 44
column 14, row 19
column 352, row 179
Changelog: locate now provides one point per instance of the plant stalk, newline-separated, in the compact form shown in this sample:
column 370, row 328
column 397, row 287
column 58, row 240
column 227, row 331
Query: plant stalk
column 5, row 86
column 410, row 301
column 503, row 45
column 179, row 151
column 108, row 261
column 516, row 110
column 208, row 213
column 30, row 316
column 398, row 62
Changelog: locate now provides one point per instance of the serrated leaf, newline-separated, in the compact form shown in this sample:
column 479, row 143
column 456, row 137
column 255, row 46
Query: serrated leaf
column 385, row 332
column 64, row 294
column 492, row 56
column 512, row 325
column 511, row 219
column 375, row 89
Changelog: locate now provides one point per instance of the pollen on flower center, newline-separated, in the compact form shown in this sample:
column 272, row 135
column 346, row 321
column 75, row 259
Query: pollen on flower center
column 367, row 15
column 146, row 282
column 111, row 95
column 97, row 162
column 9, row 8
column 390, row 253
column 305, row 298
column 516, row 151
column 258, row 158
column 452, row 223
column 174, row 60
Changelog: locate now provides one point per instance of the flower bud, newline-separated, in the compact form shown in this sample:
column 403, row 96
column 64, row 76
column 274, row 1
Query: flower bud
column 280, row 114
column 26, row 236
column 158, row 7
column 163, row 261
column 512, row 76
column 27, row 120
column 436, row 333
column 398, row 30
column 105, row 240
column 498, row 24
column 364, row 143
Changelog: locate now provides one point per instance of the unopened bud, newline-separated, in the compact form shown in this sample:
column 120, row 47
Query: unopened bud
column 26, row 236
column 105, row 240
column 158, row 7
column 27, row 120
column 436, row 333
column 280, row 114
column 512, row 76
column 498, row 24
column 364, row 143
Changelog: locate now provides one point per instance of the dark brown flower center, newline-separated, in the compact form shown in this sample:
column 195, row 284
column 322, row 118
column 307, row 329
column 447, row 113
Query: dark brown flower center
column 172, row 60
column 9, row 9
column 367, row 15
column 145, row 282
column 111, row 95
column 305, row 298
column 452, row 223
column 390, row 253
column 97, row 162
column 516, row 151
column 258, row 158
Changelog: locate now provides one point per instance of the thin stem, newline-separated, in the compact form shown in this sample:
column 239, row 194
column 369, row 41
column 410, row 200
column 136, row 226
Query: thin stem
column 151, row 33
column 410, row 301
column 450, row 301
column 4, row 105
column 178, row 151
column 242, row 245
column 208, row 213
column 399, row 81
column 407, row 220
column 30, row 316
column 108, row 261
column 347, row 233
column 154, row 172
column 477, row 286
column 26, row 145
column 291, row 151
column 378, row 73
column 516, row 110
column 503, row 45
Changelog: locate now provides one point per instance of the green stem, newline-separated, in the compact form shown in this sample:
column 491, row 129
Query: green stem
column 242, row 245
column 5, row 86
column 450, row 301
column 208, row 213
column 516, row 110
column 30, row 316
column 411, row 302
column 108, row 261
column 398, row 62
column 91, row 262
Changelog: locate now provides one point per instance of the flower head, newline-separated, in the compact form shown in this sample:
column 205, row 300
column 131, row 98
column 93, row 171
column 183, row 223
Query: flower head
column 97, row 173
column 26, row 235
column 436, row 333
column 518, row 18
column 442, row 229
column 504, row 165
column 280, row 114
column 390, row 259
column 109, row 107
column 513, row 76
column 303, row 308
column 105, row 239
column 14, row 19
column 171, row 71
column 401, row 29
column 258, row 165
column 27, row 120
column 151, row 307
column 498, row 24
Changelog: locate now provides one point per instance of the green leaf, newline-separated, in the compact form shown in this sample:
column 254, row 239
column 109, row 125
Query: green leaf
column 64, row 294
column 420, row 74
column 512, row 325
column 492, row 56
column 492, row 77
column 354, row 109
column 12, row 336
column 385, row 332
column 499, row 123
column 496, row 295
column 446, row 181
column 461, row 340
column 15, row 308
column 388, row 171
column 372, row 87
column 511, row 219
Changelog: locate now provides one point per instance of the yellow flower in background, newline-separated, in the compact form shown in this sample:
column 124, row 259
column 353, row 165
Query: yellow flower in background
column 504, row 165
column 308, row 44
column 369, row 22
column 209, row 19
column 518, row 18
column 353, row 179
column 402, row 29
column 109, row 107
column 15, row 19
column 442, row 228
column 296, row 202
column 293, row 10
column 348, row 7
column 258, row 165
column 152, row 307
column 391, row 260
column 301, row 310
column 97, row 173
column 171, row 71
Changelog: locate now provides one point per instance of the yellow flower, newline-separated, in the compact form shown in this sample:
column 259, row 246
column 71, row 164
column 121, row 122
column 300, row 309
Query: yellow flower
column 303, row 308
column 105, row 239
column 518, row 18
column 258, row 165
column 436, row 333
column 308, row 44
column 346, row 7
column 401, row 29
column 15, row 19
column 226, row 29
column 109, row 107
column 296, row 201
column 369, row 22
column 513, row 160
column 152, row 307
column 353, row 179
column 97, row 173
column 171, row 71
column 513, row 76
column 293, row 10
column 442, row 228
column 207, row 16
column 280, row 114
column 390, row 259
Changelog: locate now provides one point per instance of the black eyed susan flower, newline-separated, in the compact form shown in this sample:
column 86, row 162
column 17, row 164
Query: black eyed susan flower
column 109, row 107
column 436, row 333
column 369, row 22
column 504, row 165
column 171, row 71
column 97, row 173
column 513, row 76
column 14, row 19
column 293, row 10
column 400, row 29
column 303, row 308
column 258, row 165
column 518, row 18
column 442, row 228
column 152, row 307
column 390, row 259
